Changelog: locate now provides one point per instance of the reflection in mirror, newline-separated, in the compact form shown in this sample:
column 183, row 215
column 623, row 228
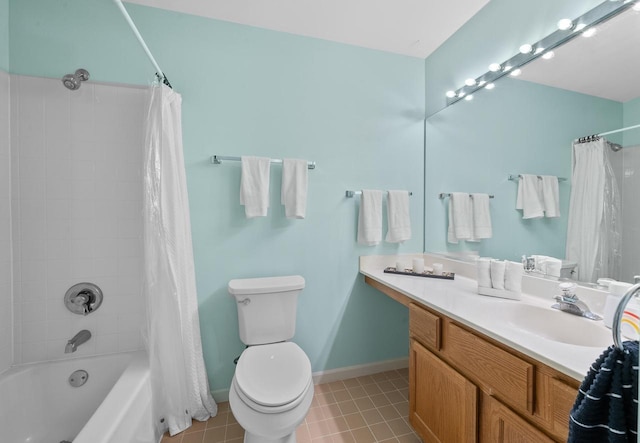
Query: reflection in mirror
column 528, row 125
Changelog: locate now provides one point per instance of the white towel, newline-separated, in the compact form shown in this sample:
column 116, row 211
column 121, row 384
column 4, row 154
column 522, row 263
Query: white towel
column 460, row 217
column 293, row 195
column 553, row 267
column 254, row 186
column 481, row 216
column 370, row 218
column 529, row 198
column 483, row 266
column 513, row 276
column 497, row 274
column 550, row 196
column 398, row 218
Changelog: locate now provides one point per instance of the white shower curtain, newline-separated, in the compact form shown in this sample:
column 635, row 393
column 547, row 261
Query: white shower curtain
column 593, row 234
column 178, row 377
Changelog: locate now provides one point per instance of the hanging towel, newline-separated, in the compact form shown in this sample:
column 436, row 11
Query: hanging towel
column 529, row 197
column 370, row 218
column 550, row 196
column 254, row 186
column 481, row 216
column 606, row 408
column 460, row 217
column 398, row 218
column 294, row 187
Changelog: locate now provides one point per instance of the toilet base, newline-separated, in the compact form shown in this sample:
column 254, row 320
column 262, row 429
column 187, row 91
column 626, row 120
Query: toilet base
column 252, row 438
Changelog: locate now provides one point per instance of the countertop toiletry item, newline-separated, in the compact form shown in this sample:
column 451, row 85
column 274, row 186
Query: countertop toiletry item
column 513, row 276
column 418, row 265
column 437, row 268
column 483, row 265
column 497, row 274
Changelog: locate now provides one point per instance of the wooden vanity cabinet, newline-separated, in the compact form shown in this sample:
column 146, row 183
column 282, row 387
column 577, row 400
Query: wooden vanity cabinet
column 466, row 387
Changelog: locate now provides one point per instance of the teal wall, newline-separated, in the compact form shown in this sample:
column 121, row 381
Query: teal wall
column 4, row 35
column 631, row 118
column 517, row 128
column 357, row 112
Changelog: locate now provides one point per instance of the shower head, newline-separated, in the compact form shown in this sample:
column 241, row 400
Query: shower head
column 615, row 147
column 73, row 81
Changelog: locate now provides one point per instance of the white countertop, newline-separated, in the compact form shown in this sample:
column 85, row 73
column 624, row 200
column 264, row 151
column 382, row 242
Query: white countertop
column 459, row 300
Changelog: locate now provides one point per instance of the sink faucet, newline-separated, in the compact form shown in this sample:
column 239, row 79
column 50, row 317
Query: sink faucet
column 570, row 303
column 78, row 339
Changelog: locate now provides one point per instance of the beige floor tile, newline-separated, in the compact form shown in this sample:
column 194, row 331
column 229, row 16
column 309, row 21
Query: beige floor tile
column 321, row 428
column 380, row 400
column 235, row 440
column 355, row 421
column 332, row 410
column 196, row 426
column 372, row 416
column 315, row 414
column 389, row 412
column 409, row 438
column 364, row 404
column 166, row 438
column 363, row 435
column 302, row 434
column 322, row 388
column 348, row 407
column 337, row 386
column 372, row 389
column 381, row 431
column 323, row 398
column 218, row 421
column 365, row 380
column 389, row 440
column 399, row 427
column 341, row 395
column 386, row 386
column 403, row 409
column 351, row 383
column 343, row 437
column 323, row 439
column 194, row 437
column 395, row 397
column 357, row 392
column 400, row 383
column 234, row 431
column 223, row 407
column 215, row 435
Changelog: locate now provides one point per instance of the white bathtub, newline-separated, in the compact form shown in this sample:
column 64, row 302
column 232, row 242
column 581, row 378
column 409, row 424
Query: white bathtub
column 37, row 404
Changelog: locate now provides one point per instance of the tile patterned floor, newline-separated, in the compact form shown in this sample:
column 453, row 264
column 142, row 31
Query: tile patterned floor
column 368, row 409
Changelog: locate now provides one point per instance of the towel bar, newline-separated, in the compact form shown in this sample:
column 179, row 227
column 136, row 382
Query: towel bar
column 351, row 194
column 516, row 177
column 448, row 194
column 617, row 317
column 217, row 159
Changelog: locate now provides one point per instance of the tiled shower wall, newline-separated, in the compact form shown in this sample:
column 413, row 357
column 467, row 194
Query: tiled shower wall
column 5, row 226
column 76, row 173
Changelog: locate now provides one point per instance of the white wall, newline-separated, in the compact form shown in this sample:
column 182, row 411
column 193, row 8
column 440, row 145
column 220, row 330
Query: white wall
column 6, row 319
column 630, row 212
column 76, row 166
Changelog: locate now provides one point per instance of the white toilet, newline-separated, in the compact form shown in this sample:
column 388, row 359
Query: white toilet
column 272, row 387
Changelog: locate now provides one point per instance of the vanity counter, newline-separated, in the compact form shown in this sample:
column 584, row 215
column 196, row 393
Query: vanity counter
column 494, row 317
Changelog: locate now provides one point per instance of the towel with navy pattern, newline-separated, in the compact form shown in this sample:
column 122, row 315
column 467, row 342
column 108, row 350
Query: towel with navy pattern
column 606, row 409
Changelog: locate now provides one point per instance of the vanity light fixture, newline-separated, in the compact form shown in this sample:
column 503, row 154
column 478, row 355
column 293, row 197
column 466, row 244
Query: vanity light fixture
column 543, row 47
column 589, row 32
column 469, row 97
column 516, row 72
column 490, row 86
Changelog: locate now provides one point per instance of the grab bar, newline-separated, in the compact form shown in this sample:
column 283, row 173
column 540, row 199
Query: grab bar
column 617, row 317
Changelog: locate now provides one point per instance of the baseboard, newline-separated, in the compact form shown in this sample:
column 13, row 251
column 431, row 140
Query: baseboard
column 330, row 375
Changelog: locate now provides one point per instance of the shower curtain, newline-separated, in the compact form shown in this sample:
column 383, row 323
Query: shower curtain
column 178, row 377
column 594, row 231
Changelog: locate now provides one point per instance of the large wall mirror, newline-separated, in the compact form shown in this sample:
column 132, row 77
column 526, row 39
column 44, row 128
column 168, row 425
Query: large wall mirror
column 528, row 125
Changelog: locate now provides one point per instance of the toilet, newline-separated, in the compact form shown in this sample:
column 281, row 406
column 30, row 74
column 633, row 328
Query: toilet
column 272, row 387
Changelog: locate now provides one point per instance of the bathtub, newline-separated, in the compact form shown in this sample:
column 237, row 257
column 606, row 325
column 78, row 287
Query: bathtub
column 38, row 405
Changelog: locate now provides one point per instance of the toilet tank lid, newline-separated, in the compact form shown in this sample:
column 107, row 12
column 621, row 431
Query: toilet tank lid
column 246, row 286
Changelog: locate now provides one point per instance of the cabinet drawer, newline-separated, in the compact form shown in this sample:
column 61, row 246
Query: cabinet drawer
column 562, row 400
column 502, row 374
column 424, row 326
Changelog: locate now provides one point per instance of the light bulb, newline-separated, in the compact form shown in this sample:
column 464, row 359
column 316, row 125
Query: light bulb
column 516, row 72
column 565, row 24
column 469, row 97
column 539, row 50
column 636, row 7
column 490, row 86
column 462, row 94
column 450, row 94
column 506, row 68
column 470, row 82
column 495, row 67
column 548, row 55
column 481, row 83
column 589, row 32
column 526, row 49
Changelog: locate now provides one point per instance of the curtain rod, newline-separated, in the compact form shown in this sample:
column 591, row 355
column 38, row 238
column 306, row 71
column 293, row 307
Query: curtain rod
column 619, row 130
column 159, row 72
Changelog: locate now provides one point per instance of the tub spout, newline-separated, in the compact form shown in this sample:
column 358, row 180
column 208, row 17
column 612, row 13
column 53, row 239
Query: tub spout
column 78, row 339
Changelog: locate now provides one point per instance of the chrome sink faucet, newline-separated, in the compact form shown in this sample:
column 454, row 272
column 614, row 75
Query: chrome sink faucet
column 78, row 339
column 570, row 303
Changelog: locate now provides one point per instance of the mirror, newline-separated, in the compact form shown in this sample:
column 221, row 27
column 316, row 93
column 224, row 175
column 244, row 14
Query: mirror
column 527, row 125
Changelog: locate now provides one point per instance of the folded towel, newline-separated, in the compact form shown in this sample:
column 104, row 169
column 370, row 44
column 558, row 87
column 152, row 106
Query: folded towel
column 398, row 217
column 481, row 216
column 540, row 263
column 513, row 276
column 550, row 196
column 370, row 218
column 606, row 408
column 460, row 217
column 553, row 267
column 483, row 265
column 497, row 274
column 294, row 187
column 529, row 198
column 254, row 186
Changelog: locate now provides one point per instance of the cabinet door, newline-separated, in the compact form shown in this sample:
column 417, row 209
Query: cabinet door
column 442, row 403
column 501, row 425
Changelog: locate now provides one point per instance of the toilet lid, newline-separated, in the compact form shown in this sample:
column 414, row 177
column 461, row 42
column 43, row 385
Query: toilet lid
column 274, row 374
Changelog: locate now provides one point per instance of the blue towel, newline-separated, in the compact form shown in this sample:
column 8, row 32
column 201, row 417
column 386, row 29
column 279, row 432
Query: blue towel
column 606, row 409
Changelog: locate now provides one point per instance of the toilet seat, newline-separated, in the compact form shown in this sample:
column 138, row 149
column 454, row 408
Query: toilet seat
column 273, row 378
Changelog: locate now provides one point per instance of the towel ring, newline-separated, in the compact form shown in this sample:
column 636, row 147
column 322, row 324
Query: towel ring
column 617, row 317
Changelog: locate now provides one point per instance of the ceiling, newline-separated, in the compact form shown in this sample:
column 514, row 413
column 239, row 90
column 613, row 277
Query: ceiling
column 408, row 27
column 606, row 65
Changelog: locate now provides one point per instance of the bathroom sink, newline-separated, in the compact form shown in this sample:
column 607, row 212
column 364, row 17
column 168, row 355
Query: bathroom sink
column 557, row 326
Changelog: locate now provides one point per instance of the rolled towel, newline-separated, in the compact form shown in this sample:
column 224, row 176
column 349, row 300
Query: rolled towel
column 483, row 265
column 370, row 218
column 529, row 198
column 398, row 218
column 254, row 186
column 553, row 267
column 497, row 274
column 481, row 216
column 294, row 187
column 513, row 276
column 460, row 217
column 550, row 196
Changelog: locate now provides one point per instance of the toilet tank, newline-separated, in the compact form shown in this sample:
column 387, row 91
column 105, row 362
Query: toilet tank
column 266, row 308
